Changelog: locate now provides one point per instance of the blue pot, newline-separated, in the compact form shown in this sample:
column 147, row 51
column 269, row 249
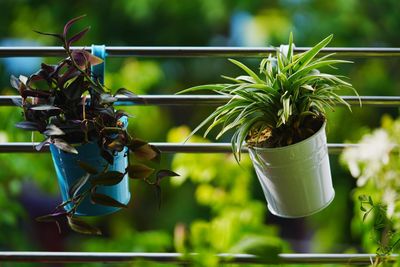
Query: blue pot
column 68, row 172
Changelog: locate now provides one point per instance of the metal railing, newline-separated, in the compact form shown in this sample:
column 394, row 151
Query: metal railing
column 175, row 51
column 178, row 100
column 64, row 257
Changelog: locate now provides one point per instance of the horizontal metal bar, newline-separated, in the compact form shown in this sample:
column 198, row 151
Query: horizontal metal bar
column 179, row 100
column 185, row 51
column 29, row 147
column 65, row 257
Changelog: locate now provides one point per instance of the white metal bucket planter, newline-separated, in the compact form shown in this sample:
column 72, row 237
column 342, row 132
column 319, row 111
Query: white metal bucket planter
column 296, row 179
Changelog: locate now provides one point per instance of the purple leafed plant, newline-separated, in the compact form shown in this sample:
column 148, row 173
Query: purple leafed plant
column 67, row 104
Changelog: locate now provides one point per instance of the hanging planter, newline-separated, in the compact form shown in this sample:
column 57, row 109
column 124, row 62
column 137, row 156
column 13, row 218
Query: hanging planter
column 88, row 137
column 296, row 179
column 280, row 115
column 68, row 167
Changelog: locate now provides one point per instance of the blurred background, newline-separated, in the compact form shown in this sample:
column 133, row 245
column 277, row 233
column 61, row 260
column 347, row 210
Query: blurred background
column 216, row 205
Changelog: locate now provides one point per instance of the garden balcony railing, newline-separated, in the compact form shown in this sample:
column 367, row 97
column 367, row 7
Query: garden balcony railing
column 173, row 100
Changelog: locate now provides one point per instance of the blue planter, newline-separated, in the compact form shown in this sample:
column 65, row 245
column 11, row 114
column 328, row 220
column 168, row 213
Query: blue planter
column 68, row 172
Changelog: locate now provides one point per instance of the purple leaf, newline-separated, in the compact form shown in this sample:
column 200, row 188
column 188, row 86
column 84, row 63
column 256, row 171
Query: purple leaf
column 164, row 173
column 107, row 156
column 82, row 227
column 106, row 200
column 15, row 82
column 58, row 36
column 51, row 217
column 44, row 108
column 27, row 125
column 17, row 101
column 52, row 130
column 70, row 23
column 64, row 146
column 125, row 92
column 108, row 178
column 40, row 146
column 86, row 167
column 139, row 171
column 116, row 146
column 78, row 36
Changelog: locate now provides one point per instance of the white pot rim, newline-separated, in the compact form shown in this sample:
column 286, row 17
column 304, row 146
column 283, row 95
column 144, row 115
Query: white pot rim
column 292, row 145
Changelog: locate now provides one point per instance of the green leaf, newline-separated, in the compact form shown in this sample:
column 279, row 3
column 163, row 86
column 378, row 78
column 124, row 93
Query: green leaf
column 306, row 57
column 105, row 200
column 108, row 178
column 87, row 167
column 139, row 171
column 64, row 146
column 212, row 87
column 73, row 191
column 247, row 70
column 82, row 227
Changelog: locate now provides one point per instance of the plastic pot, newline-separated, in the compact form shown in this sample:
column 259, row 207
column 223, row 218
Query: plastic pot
column 296, row 179
column 68, row 172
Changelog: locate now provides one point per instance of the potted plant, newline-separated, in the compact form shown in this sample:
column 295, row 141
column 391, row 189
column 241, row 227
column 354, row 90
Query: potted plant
column 88, row 138
column 281, row 114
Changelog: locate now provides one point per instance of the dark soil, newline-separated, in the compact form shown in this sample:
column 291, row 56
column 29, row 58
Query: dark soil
column 292, row 132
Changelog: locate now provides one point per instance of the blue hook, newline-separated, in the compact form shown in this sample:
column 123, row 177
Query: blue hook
column 99, row 70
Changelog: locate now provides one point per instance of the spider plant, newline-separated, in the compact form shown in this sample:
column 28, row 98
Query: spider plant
column 284, row 103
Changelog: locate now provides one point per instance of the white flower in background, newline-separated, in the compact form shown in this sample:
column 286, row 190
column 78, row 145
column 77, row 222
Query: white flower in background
column 389, row 199
column 367, row 159
column 3, row 137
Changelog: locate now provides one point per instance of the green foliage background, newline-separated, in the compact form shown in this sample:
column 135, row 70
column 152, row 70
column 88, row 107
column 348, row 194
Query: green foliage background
column 216, row 206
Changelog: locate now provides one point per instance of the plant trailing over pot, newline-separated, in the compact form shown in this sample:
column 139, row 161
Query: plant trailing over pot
column 88, row 138
column 281, row 114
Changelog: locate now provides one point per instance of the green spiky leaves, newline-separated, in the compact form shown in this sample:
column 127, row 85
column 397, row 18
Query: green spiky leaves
column 283, row 99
